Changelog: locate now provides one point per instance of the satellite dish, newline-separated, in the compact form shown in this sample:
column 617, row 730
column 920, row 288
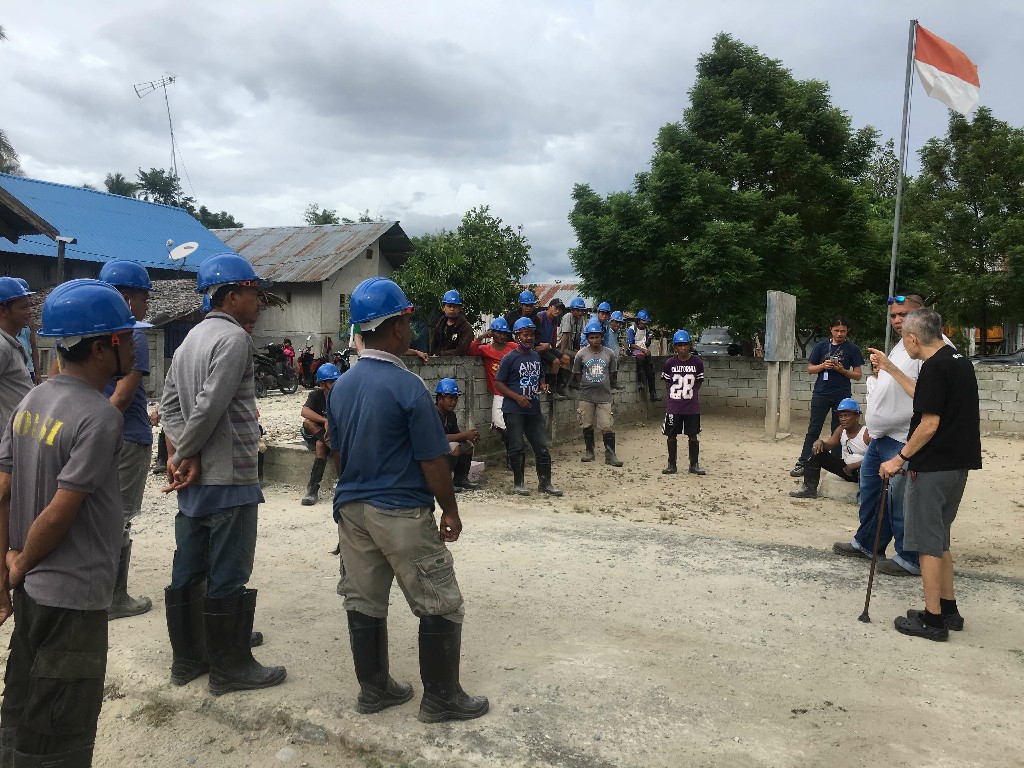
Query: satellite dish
column 182, row 251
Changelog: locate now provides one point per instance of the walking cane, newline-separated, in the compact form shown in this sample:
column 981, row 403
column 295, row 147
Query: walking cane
column 874, row 555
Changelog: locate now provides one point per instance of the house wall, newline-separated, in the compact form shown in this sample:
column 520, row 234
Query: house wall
column 41, row 271
column 337, row 289
column 299, row 319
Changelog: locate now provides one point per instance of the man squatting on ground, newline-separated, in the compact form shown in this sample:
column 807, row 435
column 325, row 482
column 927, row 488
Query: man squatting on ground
column 210, row 421
column 519, row 381
column 684, row 373
column 452, row 334
column 461, row 442
column 501, row 344
column 851, row 437
column 596, row 370
column 128, row 394
column 384, row 503
column 944, row 445
column 890, row 407
column 314, row 429
column 60, row 514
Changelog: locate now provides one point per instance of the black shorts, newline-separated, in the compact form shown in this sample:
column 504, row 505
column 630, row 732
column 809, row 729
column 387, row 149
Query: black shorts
column 681, row 424
column 310, row 439
column 550, row 355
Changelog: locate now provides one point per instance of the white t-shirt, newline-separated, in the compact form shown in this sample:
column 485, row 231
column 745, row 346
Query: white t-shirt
column 889, row 407
column 854, row 447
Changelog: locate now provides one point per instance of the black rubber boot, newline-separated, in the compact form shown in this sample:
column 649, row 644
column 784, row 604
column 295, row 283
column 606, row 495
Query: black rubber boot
column 562, row 382
column 588, row 441
column 809, row 490
column 76, row 758
column 368, row 637
column 440, row 653
column 694, row 459
column 313, row 489
column 673, row 449
column 124, row 604
column 518, row 461
column 544, row 478
column 609, row 450
column 552, row 382
column 185, row 628
column 228, row 636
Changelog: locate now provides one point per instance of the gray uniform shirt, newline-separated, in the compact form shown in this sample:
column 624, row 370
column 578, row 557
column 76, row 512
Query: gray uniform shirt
column 596, row 369
column 66, row 435
column 15, row 382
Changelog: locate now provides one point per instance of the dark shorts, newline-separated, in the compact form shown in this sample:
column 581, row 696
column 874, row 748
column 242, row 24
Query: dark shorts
column 550, row 355
column 681, row 424
column 930, row 504
column 310, row 439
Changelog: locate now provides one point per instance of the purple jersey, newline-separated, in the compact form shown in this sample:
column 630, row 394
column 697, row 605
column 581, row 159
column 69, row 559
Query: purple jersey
column 684, row 378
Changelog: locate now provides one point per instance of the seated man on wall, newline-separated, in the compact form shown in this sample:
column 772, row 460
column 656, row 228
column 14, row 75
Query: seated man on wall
column 314, row 428
column 854, row 439
column 460, row 459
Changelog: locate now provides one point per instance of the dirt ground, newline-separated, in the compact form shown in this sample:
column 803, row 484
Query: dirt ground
column 641, row 620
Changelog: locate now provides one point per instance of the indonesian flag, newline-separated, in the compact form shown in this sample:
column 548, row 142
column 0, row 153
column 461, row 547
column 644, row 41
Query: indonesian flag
column 945, row 72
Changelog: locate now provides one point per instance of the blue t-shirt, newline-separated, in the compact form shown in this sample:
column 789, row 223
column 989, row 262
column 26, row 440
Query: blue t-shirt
column 137, row 428
column 521, row 372
column 383, row 423
column 25, row 339
column 833, row 383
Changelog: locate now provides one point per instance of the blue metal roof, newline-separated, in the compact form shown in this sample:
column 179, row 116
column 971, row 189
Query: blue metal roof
column 107, row 226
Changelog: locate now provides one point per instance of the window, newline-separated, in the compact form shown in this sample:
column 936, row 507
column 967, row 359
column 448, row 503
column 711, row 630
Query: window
column 343, row 316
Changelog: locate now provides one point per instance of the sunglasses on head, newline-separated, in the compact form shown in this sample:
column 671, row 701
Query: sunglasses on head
column 897, row 299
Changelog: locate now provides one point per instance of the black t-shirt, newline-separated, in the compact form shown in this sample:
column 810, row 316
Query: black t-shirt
column 317, row 402
column 948, row 387
column 449, row 422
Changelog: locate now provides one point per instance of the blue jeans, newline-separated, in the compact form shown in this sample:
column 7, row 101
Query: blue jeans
column 820, row 406
column 880, row 450
column 218, row 547
column 531, row 427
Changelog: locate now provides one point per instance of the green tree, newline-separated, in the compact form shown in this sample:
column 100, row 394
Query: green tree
column 756, row 189
column 314, row 215
column 117, row 184
column 9, row 160
column 483, row 259
column 969, row 201
column 160, row 186
column 219, row 220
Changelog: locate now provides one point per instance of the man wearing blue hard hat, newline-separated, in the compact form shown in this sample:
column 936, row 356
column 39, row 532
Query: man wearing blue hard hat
column 210, row 421
column 128, row 394
column 639, row 340
column 527, row 308
column 461, row 441
column 851, row 437
column 314, row 428
column 392, row 465
column 27, row 338
column 15, row 314
column 451, row 334
column 60, row 527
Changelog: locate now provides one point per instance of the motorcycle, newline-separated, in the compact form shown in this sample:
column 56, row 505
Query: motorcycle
column 308, row 363
column 273, row 372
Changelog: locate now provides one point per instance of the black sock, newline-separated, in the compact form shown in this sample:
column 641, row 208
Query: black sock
column 933, row 619
column 947, row 606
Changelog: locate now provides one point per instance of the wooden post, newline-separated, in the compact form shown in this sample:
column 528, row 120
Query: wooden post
column 771, row 411
column 779, row 351
column 785, row 394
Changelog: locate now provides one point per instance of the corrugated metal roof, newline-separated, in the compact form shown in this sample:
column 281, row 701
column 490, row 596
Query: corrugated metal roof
column 311, row 254
column 107, row 226
column 17, row 220
column 546, row 292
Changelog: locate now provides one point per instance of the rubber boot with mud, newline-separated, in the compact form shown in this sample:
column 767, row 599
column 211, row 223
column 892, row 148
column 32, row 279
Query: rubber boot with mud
column 518, row 461
column 609, row 450
column 552, row 382
column 588, row 442
column 440, row 654
column 809, row 490
column 316, row 475
column 694, row 459
column 186, row 630
column 368, row 637
column 124, row 604
column 544, row 478
column 673, row 449
column 75, row 758
column 562, row 382
column 228, row 635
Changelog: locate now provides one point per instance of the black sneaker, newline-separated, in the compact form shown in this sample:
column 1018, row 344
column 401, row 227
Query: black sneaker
column 847, row 549
column 954, row 621
column 889, row 568
column 917, row 628
column 798, row 470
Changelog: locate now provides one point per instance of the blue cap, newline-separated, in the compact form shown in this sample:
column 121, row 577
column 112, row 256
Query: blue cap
column 327, row 372
column 500, row 324
column 527, row 297
column 447, row 387
column 126, row 274
column 593, row 327
column 11, row 288
column 680, row 337
column 644, row 315
column 375, row 300
column 523, row 322
column 452, row 297
column 848, row 404
column 80, row 309
column 577, row 303
column 604, row 306
column 227, row 269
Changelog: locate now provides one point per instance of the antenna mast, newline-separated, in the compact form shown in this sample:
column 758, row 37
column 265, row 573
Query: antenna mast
column 144, row 89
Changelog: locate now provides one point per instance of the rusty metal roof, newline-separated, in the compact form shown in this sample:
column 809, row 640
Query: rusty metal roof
column 311, row 254
column 546, row 292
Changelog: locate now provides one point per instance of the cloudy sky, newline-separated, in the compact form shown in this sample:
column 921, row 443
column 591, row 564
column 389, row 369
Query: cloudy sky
column 419, row 111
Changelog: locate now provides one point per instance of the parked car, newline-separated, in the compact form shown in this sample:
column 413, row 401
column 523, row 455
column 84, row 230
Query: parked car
column 1012, row 358
column 716, row 340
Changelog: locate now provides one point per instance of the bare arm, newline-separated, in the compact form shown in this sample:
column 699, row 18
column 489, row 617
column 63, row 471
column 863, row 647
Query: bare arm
column 45, row 534
column 832, row 442
column 5, row 518
column 439, row 480
column 309, row 413
column 882, row 363
column 125, row 390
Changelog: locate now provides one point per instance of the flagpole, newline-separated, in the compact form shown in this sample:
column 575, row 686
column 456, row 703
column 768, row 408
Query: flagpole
column 899, row 177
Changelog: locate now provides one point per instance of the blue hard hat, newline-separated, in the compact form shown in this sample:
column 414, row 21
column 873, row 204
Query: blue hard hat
column 521, row 323
column 848, row 404
column 593, row 326
column 327, row 372
column 126, row 274
column 644, row 315
column 452, row 297
column 85, row 308
column 377, row 299
column 604, row 306
column 23, row 282
column 500, row 324
column 680, row 337
column 618, row 317
column 227, row 269
column 11, row 288
column 447, row 387
column 527, row 297
column 577, row 303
